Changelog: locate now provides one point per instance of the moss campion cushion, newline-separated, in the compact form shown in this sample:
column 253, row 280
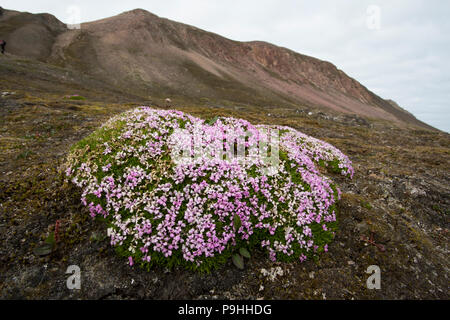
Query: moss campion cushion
column 197, row 210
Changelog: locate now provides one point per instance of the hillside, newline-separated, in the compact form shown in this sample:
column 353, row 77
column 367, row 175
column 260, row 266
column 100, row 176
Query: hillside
column 140, row 53
column 399, row 196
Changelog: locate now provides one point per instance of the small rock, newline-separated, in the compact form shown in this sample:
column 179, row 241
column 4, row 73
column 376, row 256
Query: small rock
column 362, row 227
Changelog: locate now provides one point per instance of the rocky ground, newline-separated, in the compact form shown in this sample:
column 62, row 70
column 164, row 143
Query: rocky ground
column 399, row 197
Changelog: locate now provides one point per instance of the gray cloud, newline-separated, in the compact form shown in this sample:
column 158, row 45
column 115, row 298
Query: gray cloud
column 406, row 59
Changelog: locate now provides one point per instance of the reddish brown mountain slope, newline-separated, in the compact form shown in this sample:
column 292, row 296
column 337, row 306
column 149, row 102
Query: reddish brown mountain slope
column 141, row 53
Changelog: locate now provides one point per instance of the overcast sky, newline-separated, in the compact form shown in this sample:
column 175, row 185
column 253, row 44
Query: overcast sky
column 397, row 49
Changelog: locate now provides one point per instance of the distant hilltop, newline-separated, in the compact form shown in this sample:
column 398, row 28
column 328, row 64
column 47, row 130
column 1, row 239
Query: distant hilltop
column 139, row 52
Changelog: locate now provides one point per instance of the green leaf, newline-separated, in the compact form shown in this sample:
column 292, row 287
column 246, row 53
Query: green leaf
column 244, row 252
column 213, row 120
column 237, row 222
column 238, row 261
column 43, row 250
column 50, row 239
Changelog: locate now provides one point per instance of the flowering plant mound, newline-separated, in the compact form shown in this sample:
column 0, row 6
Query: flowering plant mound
column 178, row 190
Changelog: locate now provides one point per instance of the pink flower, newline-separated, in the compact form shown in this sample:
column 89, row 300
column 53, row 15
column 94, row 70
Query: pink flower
column 188, row 209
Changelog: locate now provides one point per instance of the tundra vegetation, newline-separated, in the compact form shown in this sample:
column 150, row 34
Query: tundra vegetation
column 178, row 190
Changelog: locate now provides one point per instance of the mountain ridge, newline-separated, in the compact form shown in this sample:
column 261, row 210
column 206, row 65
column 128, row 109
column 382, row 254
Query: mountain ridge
column 149, row 55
